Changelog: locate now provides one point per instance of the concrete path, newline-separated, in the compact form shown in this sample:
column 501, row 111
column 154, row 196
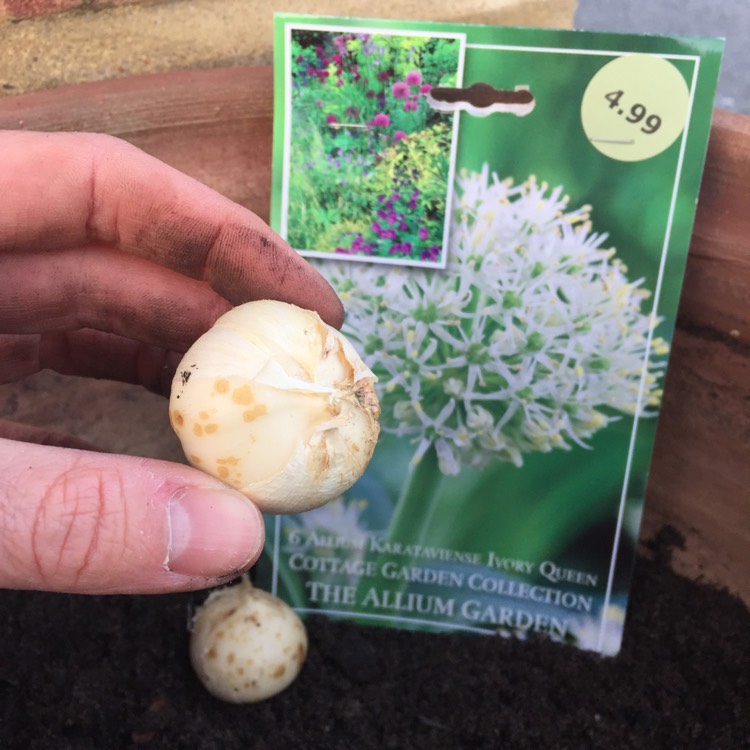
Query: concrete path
column 725, row 18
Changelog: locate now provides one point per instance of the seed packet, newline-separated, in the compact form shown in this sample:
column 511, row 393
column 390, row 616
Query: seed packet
column 506, row 214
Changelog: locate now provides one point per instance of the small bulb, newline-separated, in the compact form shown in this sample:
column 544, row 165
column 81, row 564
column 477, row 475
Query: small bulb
column 246, row 645
column 277, row 404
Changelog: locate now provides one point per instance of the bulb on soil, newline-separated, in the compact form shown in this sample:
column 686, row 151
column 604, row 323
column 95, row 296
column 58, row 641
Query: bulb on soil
column 246, row 645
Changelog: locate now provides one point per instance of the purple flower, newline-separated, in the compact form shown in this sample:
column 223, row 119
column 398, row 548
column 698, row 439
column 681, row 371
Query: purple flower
column 376, row 228
column 410, row 106
column 337, row 59
column 400, row 90
column 399, row 135
column 381, row 120
column 330, row 118
column 384, row 76
column 404, row 248
column 360, row 246
column 424, row 233
column 414, row 78
column 370, row 94
column 389, row 234
column 431, row 253
column 425, row 88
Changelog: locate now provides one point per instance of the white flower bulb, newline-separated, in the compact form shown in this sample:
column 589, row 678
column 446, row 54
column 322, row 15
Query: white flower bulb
column 277, row 404
column 246, row 645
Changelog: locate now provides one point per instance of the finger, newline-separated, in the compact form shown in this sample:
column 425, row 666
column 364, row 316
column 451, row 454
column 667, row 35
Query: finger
column 83, row 522
column 101, row 288
column 69, row 189
column 88, row 353
column 42, row 436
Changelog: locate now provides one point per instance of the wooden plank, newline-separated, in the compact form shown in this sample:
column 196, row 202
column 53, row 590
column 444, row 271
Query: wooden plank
column 216, row 126
column 700, row 476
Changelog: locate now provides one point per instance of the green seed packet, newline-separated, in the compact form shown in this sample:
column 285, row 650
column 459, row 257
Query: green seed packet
column 506, row 214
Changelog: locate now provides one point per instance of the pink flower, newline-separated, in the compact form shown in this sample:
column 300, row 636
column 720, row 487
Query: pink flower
column 414, row 78
column 410, row 106
column 330, row 118
column 398, row 135
column 425, row 88
column 381, row 120
column 400, row 90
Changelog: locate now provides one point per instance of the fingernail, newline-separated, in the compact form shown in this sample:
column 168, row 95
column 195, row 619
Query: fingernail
column 212, row 533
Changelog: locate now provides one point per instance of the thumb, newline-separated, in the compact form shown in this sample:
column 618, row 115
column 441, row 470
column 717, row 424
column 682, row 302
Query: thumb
column 85, row 522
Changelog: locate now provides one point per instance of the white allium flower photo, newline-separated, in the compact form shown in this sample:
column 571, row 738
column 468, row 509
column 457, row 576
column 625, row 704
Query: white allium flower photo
column 339, row 517
column 603, row 633
column 531, row 339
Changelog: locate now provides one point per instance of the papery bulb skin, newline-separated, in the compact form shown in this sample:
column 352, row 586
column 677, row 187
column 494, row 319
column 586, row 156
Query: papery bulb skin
column 277, row 404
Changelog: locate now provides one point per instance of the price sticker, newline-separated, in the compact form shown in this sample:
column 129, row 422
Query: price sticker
column 635, row 107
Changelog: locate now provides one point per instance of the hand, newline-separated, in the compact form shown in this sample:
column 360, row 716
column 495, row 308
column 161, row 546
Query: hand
column 111, row 265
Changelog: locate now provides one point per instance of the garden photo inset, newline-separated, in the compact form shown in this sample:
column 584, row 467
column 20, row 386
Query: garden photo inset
column 368, row 162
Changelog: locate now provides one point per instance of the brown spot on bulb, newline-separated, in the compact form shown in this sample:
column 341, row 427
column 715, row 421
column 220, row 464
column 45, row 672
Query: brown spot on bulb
column 221, row 385
column 197, row 430
column 211, row 428
column 257, row 411
column 177, row 419
column 243, row 395
column 299, row 655
column 279, row 671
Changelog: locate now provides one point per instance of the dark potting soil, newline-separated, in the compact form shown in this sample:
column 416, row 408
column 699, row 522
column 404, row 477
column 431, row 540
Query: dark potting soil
column 113, row 672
